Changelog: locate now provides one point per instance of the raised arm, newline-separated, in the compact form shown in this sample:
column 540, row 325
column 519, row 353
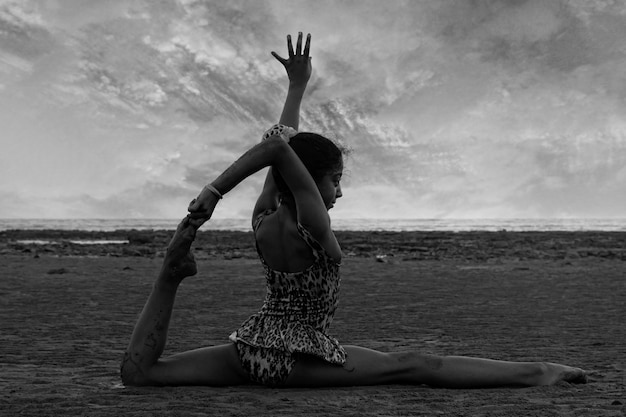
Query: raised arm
column 298, row 67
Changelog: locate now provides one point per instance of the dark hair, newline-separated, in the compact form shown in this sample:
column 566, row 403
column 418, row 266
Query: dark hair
column 319, row 155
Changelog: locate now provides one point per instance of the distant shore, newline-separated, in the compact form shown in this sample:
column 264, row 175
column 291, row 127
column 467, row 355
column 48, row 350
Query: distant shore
column 406, row 246
column 340, row 224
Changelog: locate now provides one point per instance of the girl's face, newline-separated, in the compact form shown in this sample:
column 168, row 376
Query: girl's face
column 330, row 187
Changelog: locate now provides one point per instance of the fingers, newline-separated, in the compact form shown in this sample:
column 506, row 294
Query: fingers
column 299, row 44
column 192, row 206
column 289, row 46
column 298, row 51
column 198, row 214
column 196, row 223
column 307, row 45
column 196, row 210
column 280, row 58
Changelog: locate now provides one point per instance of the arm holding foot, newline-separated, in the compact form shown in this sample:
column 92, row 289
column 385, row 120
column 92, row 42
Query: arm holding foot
column 276, row 153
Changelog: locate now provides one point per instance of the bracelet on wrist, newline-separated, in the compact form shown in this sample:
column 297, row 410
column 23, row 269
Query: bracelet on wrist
column 284, row 132
column 211, row 188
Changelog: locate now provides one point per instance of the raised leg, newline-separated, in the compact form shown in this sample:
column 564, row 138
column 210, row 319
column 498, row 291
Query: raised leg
column 369, row 367
column 142, row 364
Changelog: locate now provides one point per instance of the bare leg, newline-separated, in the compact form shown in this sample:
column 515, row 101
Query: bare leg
column 369, row 367
column 218, row 365
column 467, row 372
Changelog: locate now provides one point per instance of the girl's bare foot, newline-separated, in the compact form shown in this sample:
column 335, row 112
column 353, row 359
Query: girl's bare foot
column 554, row 373
column 179, row 261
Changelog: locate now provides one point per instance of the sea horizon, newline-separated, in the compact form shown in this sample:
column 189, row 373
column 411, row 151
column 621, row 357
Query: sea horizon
column 394, row 225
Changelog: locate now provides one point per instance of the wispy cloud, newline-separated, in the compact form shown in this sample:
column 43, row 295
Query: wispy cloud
column 485, row 108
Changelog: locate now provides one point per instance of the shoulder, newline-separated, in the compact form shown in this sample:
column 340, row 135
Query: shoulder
column 273, row 229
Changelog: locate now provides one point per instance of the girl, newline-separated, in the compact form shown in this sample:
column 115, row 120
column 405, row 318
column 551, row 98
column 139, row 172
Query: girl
column 287, row 342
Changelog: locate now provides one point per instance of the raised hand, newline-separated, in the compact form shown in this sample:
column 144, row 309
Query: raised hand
column 298, row 64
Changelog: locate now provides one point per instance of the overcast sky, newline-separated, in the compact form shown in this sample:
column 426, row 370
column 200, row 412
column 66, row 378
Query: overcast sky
column 452, row 108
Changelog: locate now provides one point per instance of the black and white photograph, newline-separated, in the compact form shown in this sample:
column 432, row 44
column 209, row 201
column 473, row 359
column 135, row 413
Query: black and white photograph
column 312, row 208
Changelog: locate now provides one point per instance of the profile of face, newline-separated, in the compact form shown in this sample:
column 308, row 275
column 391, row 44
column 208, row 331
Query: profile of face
column 324, row 161
column 330, row 187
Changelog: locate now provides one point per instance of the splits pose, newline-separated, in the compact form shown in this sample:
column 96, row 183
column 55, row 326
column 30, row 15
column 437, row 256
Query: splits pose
column 286, row 343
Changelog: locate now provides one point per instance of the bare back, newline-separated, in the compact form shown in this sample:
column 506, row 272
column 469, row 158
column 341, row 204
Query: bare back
column 281, row 246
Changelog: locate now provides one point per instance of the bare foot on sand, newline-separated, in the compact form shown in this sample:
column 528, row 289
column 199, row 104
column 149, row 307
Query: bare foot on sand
column 179, row 261
column 555, row 373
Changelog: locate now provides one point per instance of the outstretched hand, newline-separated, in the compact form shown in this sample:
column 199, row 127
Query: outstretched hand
column 298, row 64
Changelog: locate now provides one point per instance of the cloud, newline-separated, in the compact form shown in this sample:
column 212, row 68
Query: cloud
column 488, row 108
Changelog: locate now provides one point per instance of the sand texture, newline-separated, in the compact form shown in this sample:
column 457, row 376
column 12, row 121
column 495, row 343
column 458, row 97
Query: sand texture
column 67, row 311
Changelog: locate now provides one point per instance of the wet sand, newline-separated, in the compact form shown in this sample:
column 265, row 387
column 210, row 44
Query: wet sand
column 67, row 311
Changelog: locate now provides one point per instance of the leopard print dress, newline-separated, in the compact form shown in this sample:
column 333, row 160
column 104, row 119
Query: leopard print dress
column 294, row 319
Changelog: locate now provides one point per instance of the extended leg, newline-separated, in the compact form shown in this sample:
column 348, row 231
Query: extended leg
column 369, row 367
column 467, row 372
column 142, row 364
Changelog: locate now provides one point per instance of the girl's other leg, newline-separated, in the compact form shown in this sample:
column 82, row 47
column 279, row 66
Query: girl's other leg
column 369, row 367
column 468, row 372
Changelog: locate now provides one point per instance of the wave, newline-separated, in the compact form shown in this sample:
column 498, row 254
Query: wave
column 394, row 225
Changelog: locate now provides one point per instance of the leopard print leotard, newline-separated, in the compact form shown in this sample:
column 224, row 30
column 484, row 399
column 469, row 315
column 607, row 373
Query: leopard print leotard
column 294, row 319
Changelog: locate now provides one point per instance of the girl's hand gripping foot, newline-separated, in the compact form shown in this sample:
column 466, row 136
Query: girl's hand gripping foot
column 201, row 208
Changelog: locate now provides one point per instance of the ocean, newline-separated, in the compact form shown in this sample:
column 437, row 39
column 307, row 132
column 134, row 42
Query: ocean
column 453, row 225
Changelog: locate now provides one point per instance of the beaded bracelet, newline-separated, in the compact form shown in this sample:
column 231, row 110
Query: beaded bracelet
column 285, row 132
column 212, row 189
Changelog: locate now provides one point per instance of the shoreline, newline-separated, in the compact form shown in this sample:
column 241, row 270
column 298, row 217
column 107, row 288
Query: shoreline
column 339, row 224
column 384, row 245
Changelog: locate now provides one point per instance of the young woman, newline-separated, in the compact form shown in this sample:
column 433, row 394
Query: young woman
column 287, row 342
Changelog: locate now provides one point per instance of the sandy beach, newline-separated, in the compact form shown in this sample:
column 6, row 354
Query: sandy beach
column 67, row 309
